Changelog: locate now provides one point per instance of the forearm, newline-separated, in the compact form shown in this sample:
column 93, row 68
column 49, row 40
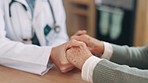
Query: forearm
column 103, row 71
column 132, row 56
column 88, row 68
column 108, row 72
column 28, row 58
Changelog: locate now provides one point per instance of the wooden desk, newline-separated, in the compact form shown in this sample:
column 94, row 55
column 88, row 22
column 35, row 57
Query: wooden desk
column 8, row 75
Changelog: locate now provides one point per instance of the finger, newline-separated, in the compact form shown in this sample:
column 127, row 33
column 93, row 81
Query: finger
column 66, row 69
column 80, row 38
column 73, row 43
column 83, row 45
column 80, row 32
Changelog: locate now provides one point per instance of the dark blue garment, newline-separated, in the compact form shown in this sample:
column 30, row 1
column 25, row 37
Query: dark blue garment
column 47, row 28
column 31, row 4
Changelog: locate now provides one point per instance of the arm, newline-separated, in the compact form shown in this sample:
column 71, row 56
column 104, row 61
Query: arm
column 29, row 58
column 132, row 56
column 103, row 71
column 108, row 72
column 19, row 56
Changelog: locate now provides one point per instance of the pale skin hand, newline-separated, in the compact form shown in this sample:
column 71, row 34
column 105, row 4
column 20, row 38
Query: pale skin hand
column 58, row 56
column 94, row 45
column 78, row 55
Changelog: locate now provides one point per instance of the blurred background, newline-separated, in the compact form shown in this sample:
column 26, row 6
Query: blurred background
column 123, row 22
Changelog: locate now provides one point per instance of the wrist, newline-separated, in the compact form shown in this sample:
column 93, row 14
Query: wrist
column 84, row 61
column 99, row 49
column 51, row 54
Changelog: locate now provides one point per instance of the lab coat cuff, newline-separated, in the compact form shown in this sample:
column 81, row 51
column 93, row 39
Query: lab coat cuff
column 46, row 55
column 47, row 68
column 47, row 64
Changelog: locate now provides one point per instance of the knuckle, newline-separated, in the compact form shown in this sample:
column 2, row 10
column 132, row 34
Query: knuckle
column 85, row 36
column 82, row 44
column 72, row 36
column 73, row 40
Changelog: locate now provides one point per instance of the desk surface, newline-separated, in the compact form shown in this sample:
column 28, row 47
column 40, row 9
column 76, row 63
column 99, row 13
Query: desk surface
column 8, row 75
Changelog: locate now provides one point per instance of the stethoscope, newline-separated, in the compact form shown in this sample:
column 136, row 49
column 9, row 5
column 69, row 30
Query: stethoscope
column 56, row 28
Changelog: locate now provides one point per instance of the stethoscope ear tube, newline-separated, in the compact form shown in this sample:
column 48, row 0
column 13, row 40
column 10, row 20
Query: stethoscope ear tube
column 10, row 4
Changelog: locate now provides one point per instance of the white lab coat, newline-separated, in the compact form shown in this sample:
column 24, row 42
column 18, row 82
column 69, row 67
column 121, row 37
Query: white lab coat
column 22, row 55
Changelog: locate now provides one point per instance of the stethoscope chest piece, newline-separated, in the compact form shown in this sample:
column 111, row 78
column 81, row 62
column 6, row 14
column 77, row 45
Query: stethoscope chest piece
column 57, row 28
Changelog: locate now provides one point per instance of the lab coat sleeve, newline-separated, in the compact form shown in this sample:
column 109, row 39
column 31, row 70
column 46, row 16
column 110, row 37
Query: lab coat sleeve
column 29, row 58
column 61, row 21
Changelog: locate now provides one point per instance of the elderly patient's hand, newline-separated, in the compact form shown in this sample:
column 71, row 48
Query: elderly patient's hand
column 78, row 55
column 94, row 45
column 58, row 56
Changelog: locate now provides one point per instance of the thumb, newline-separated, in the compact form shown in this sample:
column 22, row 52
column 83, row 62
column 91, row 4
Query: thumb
column 73, row 43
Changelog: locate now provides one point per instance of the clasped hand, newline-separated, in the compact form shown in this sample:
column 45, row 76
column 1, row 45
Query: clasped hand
column 75, row 52
column 70, row 55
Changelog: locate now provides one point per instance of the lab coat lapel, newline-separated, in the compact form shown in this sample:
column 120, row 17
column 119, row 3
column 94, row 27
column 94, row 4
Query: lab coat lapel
column 26, row 4
column 21, row 27
column 39, row 22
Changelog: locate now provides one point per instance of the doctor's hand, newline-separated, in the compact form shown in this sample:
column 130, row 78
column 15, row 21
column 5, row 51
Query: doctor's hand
column 78, row 55
column 94, row 45
column 58, row 56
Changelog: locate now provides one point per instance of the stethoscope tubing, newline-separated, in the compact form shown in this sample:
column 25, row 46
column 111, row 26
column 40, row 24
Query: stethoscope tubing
column 10, row 4
column 25, row 8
